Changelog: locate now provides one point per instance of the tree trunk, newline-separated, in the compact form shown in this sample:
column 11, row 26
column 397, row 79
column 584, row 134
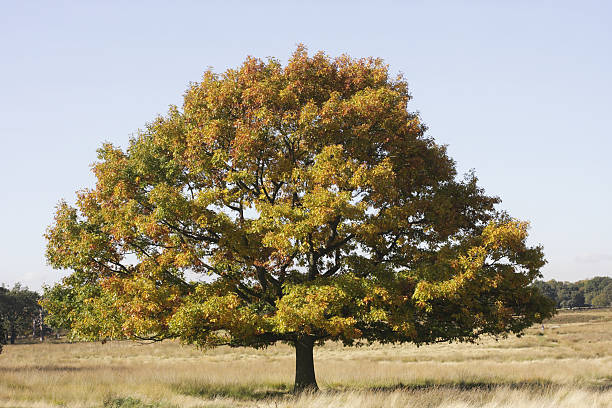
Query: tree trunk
column 42, row 325
column 304, row 365
column 13, row 332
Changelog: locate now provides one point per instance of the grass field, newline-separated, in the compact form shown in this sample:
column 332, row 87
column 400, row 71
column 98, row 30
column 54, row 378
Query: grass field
column 568, row 364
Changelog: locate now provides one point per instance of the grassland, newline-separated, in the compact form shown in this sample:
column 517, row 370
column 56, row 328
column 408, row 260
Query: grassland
column 568, row 364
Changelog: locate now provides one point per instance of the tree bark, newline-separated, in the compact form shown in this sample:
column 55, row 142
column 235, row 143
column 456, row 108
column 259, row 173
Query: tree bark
column 41, row 324
column 13, row 332
column 304, row 365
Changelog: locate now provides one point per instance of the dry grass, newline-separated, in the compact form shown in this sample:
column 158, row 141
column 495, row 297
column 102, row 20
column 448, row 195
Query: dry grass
column 569, row 364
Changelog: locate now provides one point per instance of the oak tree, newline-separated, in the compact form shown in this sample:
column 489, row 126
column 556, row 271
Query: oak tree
column 297, row 203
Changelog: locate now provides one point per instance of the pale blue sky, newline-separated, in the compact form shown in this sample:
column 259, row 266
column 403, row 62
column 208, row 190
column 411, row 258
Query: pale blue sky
column 520, row 91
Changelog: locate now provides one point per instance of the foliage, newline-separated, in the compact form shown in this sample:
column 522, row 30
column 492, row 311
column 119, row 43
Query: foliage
column 3, row 302
column 18, row 307
column 589, row 292
column 306, row 201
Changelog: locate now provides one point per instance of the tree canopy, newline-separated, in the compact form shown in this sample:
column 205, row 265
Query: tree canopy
column 3, row 301
column 589, row 292
column 297, row 203
column 18, row 307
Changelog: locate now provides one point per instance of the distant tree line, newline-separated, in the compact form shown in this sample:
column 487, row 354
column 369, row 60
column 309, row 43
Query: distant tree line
column 20, row 315
column 588, row 292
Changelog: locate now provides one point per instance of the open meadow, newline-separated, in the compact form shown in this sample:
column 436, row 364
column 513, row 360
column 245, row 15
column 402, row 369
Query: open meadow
column 568, row 364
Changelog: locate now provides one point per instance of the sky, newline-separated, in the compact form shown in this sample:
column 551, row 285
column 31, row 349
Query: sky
column 519, row 91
